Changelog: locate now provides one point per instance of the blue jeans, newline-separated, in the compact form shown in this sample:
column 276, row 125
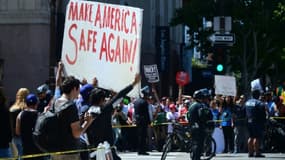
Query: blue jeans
column 5, row 152
column 18, row 142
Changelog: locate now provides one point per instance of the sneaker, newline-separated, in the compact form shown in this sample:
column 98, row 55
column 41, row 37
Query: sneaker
column 260, row 155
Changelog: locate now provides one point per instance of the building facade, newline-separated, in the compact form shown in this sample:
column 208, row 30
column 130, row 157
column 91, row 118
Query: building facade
column 24, row 44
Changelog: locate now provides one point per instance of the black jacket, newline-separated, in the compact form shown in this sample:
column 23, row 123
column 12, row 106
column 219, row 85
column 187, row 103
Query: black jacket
column 101, row 128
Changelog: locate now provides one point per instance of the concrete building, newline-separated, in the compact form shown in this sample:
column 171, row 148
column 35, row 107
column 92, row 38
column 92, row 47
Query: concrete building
column 24, row 44
column 31, row 36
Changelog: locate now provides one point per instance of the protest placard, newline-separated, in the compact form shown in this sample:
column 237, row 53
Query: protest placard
column 225, row 85
column 102, row 40
column 151, row 73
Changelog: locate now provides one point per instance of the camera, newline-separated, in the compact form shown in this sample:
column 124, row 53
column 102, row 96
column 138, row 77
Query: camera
column 94, row 111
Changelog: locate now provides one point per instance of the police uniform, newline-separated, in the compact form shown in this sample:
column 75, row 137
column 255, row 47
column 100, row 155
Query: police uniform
column 256, row 117
column 197, row 132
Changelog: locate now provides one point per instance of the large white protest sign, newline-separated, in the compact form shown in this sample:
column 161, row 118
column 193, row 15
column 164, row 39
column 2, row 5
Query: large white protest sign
column 225, row 85
column 102, row 40
column 151, row 73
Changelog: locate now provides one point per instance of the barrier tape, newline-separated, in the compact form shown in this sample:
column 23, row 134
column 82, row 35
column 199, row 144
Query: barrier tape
column 54, row 153
column 94, row 149
column 277, row 117
column 166, row 123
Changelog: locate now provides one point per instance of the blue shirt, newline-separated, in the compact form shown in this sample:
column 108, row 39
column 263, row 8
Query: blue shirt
column 226, row 117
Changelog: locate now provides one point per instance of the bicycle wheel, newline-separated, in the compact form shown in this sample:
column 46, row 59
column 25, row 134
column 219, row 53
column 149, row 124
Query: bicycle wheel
column 166, row 147
column 209, row 148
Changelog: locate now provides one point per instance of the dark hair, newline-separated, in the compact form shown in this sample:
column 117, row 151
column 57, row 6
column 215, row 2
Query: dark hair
column 255, row 94
column 68, row 84
column 96, row 95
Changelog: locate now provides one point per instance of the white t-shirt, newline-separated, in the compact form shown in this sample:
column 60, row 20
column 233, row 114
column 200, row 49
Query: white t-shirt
column 171, row 116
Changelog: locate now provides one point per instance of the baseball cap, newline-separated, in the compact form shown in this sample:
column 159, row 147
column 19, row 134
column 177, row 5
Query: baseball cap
column 42, row 88
column 85, row 91
column 31, row 99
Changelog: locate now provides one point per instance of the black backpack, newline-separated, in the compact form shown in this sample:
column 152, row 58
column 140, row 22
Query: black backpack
column 47, row 134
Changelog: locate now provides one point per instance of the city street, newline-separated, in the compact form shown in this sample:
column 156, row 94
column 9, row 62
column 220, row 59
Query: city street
column 185, row 156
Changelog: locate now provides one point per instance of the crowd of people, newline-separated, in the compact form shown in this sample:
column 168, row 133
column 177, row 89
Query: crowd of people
column 97, row 115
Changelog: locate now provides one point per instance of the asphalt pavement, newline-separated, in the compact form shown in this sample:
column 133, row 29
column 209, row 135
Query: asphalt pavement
column 185, row 156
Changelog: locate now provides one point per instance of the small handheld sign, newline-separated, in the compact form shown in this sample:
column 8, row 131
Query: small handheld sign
column 182, row 78
column 151, row 73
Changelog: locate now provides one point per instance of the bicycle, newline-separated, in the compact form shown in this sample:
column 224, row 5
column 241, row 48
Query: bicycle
column 274, row 136
column 181, row 135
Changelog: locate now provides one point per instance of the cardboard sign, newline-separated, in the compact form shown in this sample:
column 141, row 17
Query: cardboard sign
column 102, row 40
column 151, row 73
column 225, row 85
column 182, row 78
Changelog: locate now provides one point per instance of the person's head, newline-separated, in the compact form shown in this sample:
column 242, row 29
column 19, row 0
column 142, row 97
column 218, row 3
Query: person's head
column 20, row 99
column 163, row 100
column 85, row 91
column 256, row 94
column 202, row 95
column 186, row 103
column 229, row 100
column 70, row 86
column 97, row 97
column 22, row 94
column 42, row 91
column 159, row 108
column 31, row 101
column 95, row 82
column 172, row 108
column 150, row 99
column 214, row 104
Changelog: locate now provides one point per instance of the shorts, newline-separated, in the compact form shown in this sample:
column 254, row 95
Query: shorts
column 255, row 130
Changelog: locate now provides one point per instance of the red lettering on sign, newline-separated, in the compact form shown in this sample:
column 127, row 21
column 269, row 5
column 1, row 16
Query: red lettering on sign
column 83, row 14
column 71, row 62
column 123, row 52
column 118, row 50
column 117, row 20
column 82, row 41
column 103, row 47
column 134, row 50
column 110, row 51
column 73, row 11
column 134, row 23
column 124, row 21
column 98, row 16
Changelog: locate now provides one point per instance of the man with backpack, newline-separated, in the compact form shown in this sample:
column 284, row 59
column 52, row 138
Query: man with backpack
column 198, row 116
column 68, row 122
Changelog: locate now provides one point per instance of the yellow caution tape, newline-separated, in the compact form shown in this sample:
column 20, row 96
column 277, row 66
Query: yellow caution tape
column 277, row 117
column 53, row 153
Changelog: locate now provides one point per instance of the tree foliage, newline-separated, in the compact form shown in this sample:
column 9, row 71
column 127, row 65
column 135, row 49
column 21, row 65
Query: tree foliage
column 258, row 26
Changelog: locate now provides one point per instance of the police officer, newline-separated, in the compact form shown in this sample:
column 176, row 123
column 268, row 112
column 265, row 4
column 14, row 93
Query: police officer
column 256, row 118
column 142, row 120
column 198, row 131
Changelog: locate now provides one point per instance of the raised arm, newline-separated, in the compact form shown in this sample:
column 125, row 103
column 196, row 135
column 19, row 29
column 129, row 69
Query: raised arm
column 126, row 90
